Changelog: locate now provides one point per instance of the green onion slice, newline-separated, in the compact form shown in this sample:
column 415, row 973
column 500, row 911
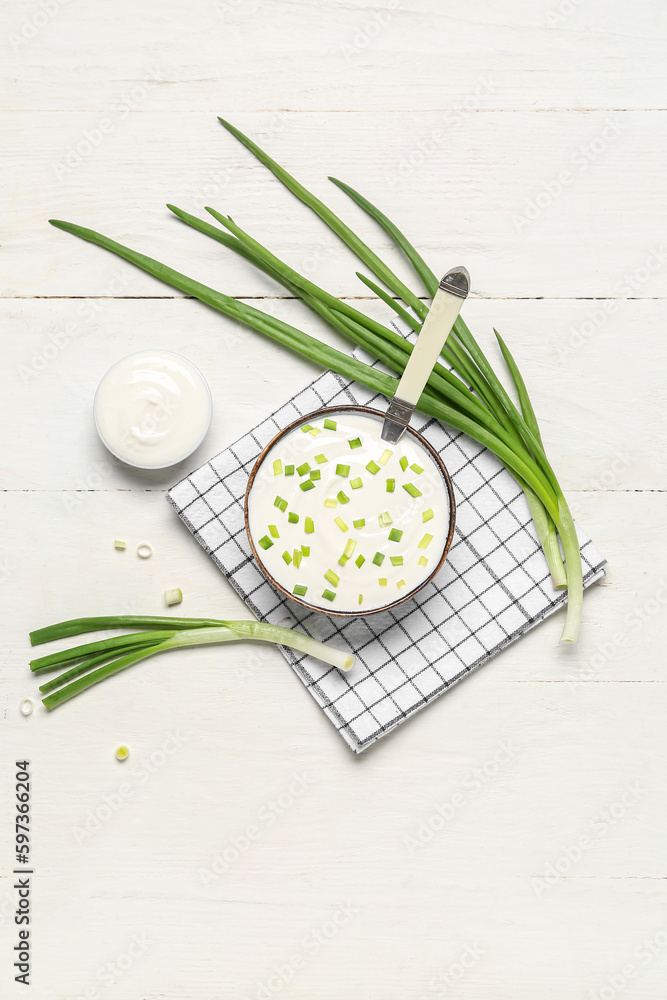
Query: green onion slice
column 303, row 469
column 391, row 485
column 273, row 530
column 330, row 502
column 396, row 560
column 287, row 557
column 385, row 520
column 306, row 485
column 277, row 467
column 292, row 518
column 356, row 483
column 342, row 470
column 300, row 590
column 378, row 558
column 395, row 535
column 360, row 560
column 333, row 578
column 321, row 459
column 265, row 542
column 416, row 468
column 330, row 424
column 315, row 474
column 309, row 526
column 297, row 556
column 342, row 497
column 412, row 489
column 341, row 523
column 329, row 595
column 427, row 515
column 289, row 470
column 373, row 467
column 360, row 522
column 426, row 541
column 403, row 463
column 355, row 443
column 306, row 550
column 385, row 456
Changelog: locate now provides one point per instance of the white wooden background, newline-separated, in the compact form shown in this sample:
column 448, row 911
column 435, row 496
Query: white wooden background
column 436, row 852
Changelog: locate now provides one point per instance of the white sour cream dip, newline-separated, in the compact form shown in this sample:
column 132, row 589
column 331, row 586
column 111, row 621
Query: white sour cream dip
column 152, row 409
column 371, row 542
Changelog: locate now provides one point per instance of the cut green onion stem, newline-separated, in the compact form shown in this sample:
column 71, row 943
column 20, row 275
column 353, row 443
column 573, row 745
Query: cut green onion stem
column 412, row 489
column 292, row 517
column 306, row 485
column 342, row 470
column 341, row 523
column 330, row 424
column 309, row 526
column 373, row 467
column 277, row 467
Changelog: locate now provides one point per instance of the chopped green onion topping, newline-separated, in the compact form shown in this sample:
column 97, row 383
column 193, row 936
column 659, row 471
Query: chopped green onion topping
column 273, row 530
column 303, row 469
column 118, row 544
column 277, row 467
column 283, row 505
column 306, row 550
column 416, row 468
column 321, row 459
column 265, row 542
column 361, row 598
column 350, row 546
column 378, row 558
column 332, row 577
column 373, row 467
column 403, row 462
column 277, row 502
column 401, row 583
column 412, row 489
column 289, row 470
column 287, row 557
column 355, row 443
column 342, row 497
column 315, row 474
column 396, row 560
column 306, row 485
column 173, row 596
column 427, row 515
column 330, row 502
column 383, row 581
column 385, row 520
column 309, row 527
column 356, row 483
column 314, row 431
column 341, row 523
column 360, row 560
column 306, row 428
column 360, row 522
column 329, row 595
column 391, row 485
column 297, row 556
column 330, row 424
column 342, row 470
column 300, row 590
column 426, row 541
column 423, row 561
column 385, row 456
column 343, row 559
column 292, row 518
column 395, row 535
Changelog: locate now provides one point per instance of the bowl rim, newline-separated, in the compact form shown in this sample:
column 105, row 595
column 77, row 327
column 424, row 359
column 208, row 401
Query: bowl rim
column 392, row 604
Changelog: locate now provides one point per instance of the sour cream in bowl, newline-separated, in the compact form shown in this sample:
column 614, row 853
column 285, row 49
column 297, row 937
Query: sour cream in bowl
column 343, row 523
column 152, row 409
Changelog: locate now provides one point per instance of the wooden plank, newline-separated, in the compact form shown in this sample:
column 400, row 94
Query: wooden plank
column 337, row 56
column 56, row 351
column 535, row 205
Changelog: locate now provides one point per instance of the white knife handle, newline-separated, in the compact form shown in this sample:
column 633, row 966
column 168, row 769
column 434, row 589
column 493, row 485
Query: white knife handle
column 430, row 342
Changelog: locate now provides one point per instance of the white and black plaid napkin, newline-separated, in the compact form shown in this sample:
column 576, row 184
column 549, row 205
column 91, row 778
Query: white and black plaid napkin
column 494, row 585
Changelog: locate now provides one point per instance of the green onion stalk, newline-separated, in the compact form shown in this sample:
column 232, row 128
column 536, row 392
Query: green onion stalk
column 463, row 392
column 90, row 663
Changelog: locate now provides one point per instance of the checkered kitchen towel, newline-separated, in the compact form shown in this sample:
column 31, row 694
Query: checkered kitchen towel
column 493, row 587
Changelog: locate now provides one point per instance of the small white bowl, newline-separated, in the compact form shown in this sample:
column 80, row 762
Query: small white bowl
column 104, row 405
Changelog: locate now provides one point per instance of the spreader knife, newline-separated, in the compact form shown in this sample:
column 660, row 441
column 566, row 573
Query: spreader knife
column 452, row 292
